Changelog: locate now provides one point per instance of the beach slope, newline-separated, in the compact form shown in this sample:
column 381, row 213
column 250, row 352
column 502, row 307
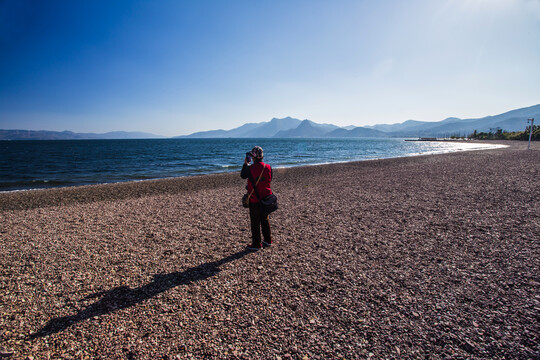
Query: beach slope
column 431, row 256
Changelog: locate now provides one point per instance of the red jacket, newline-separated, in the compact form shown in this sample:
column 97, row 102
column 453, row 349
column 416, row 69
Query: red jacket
column 263, row 187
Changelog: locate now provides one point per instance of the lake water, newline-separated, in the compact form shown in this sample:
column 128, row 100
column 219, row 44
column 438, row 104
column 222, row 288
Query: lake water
column 44, row 164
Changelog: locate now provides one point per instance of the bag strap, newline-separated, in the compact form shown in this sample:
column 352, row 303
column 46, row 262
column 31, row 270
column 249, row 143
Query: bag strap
column 257, row 183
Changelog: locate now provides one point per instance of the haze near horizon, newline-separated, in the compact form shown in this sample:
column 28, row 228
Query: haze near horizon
column 177, row 67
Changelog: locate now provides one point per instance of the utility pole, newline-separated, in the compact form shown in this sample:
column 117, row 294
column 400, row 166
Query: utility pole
column 531, row 120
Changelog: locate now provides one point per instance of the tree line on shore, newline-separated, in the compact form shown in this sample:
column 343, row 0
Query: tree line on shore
column 500, row 134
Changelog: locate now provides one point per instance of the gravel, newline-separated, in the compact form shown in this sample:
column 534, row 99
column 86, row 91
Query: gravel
column 423, row 257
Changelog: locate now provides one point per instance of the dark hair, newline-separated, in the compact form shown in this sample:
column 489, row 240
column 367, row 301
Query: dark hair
column 257, row 153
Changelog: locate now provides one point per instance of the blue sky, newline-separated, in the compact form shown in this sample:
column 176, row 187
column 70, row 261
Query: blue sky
column 173, row 67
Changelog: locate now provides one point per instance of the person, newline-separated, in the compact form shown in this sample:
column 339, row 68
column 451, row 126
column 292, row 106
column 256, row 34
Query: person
column 261, row 172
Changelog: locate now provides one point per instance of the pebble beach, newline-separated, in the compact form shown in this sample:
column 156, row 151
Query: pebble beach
column 432, row 256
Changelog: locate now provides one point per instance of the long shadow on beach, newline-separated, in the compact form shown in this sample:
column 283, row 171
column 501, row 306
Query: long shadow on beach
column 123, row 297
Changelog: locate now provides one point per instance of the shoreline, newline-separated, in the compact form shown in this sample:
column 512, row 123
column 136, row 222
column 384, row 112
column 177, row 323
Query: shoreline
column 5, row 195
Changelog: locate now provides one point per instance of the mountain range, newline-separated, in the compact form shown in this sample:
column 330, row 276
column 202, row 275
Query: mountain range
column 514, row 120
column 69, row 135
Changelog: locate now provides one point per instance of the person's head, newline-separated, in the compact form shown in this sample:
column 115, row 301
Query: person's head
column 257, row 153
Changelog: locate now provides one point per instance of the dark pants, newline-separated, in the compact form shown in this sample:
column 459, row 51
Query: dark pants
column 258, row 221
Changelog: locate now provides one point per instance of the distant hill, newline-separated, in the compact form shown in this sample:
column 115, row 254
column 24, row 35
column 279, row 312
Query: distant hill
column 273, row 127
column 515, row 120
column 356, row 132
column 250, row 130
column 397, row 127
column 69, row 135
column 307, row 128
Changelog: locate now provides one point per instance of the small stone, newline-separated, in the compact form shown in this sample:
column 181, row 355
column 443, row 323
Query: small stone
column 6, row 352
